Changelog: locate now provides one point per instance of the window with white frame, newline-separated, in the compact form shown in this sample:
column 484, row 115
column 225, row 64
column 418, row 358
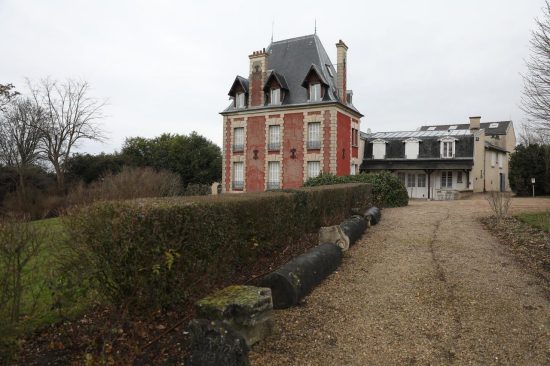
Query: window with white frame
column 313, row 169
column 459, row 177
column 238, row 139
column 412, row 147
column 273, row 181
column 401, row 177
column 352, row 170
column 411, row 179
column 314, row 135
column 446, row 179
column 238, row 175
column 421, row 180
column 447, row 148
column 275, row 96
column 501, row 161
column 379, row 149
column 240, row 100
column 274, row 138
column 315, row 92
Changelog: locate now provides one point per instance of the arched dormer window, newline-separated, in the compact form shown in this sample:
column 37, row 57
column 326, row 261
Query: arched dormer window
column 315, row 83
column 379, row 149
column 275, row 88
column 239, row 92
column 447, row 147
column 412, row 148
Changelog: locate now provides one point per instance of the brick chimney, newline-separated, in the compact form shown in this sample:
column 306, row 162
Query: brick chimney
column 258, row 70
column 341, row 79
column 475, row 123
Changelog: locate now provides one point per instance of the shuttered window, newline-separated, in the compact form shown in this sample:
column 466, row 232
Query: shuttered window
column 314, row 135
column 274, row 138
column 238, row 175
column 273, row 181
column 275, row 96
column 238, row 139
column 313, row 169
column 315, row 92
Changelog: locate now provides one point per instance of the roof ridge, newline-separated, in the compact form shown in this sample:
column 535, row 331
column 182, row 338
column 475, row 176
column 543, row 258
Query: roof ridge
column 299, row 38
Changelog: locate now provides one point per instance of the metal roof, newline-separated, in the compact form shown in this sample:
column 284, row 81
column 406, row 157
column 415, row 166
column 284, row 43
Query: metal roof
column 407, row 134
column 502, row 127
column 292, row 59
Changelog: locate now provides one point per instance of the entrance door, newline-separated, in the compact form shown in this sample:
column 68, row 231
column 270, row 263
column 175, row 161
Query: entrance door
column 502, row 182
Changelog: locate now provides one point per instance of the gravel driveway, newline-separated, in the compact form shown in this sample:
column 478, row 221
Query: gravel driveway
column 428, row 285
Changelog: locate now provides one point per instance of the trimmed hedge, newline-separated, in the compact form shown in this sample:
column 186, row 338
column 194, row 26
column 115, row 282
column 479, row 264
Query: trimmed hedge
column 387, row 189
column 159, row 252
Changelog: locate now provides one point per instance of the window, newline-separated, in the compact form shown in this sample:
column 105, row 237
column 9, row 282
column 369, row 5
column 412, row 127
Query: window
column 274, row 138
column 238, row 175
column 314, row 135
column 354, row 137
column 401, row 177
column 493, row 125
column 459, row 177
column 379, row 149
column 501, row 161
column 411, row 178
column 273, row 175
column 447, row 149
column 354, row 169
column 452, row 127
column 275, row 96
column 240, row 100
column 431, row 128
column 497, row 158
column 421, row 180
column 493, row 158
column 329, row 70
column 313, row 169
column 238, row 139
column 412, row 147
column 315, row 92
column 446, row 179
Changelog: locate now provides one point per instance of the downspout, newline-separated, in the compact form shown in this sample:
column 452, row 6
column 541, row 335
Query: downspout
column 484, row 172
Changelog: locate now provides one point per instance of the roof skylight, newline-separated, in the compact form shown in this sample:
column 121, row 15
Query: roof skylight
column 453, row 127
column 493, row 125
column 431, row 128
column 329, row 71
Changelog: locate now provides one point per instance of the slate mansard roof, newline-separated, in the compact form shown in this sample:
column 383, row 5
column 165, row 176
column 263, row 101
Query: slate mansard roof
column 500, row 129
column 291, row 60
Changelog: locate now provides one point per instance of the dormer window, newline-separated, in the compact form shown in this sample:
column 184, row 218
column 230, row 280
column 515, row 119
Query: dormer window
column 448, row 147
column 315, row 92
column 275, row 97
column 239, row 100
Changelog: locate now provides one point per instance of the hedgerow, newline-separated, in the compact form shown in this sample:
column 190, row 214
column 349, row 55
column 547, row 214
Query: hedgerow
column 158, row 252
column 387, row 189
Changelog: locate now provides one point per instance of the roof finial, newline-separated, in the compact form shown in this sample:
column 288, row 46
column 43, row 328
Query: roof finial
column 272, row 26
column 315, row 32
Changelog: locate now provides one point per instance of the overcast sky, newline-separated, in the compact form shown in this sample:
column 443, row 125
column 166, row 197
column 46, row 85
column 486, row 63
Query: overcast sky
column 167, row 66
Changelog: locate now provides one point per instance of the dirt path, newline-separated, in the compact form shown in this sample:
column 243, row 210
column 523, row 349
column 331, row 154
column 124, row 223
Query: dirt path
column 428, row 285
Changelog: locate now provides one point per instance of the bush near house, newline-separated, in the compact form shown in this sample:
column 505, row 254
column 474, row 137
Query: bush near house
column 387, row 189
column 158, row 252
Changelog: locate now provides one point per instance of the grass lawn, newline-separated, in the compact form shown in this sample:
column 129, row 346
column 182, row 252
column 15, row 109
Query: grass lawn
column 540, row 220
column 40, row 279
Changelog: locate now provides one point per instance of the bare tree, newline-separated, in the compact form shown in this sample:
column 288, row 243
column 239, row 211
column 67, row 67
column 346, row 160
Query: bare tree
column 71, row 116
column 6, row 94
column 20, row 136
column 536, row 93
column 529, row 134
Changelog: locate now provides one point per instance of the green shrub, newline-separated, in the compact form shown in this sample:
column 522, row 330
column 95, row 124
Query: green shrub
column 387, row 189
column 157, row 252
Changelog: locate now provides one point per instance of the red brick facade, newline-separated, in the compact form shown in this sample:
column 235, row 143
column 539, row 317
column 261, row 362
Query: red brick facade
column 307, row 131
